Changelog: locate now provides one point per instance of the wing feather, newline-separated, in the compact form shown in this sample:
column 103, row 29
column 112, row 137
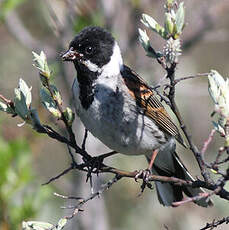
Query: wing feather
column 147, row 100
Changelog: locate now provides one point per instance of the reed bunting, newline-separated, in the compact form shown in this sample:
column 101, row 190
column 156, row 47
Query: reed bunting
column 122, row 111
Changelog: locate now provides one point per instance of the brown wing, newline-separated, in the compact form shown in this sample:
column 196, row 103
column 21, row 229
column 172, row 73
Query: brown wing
column 147, row 100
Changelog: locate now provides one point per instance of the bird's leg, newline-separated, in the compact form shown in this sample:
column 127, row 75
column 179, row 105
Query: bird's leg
column 145, row 174
column 155, row 152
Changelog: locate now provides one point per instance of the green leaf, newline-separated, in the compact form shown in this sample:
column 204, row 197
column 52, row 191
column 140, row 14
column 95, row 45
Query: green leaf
column 49, row 103
column 23, row 87
column 144, row 40
column 180, row 14
column 20, row 104
column 219, row 80
column 169, row 25
column 153, row 25
column 36, row 225
column 61, row 223
column 22, row 100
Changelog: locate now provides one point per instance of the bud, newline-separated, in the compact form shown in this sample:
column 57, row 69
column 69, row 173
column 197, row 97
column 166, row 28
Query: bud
column 41, row 64
column 219, row 92
column 169, row 4
column 56, row 94
column 172, row 50
column 69, row 116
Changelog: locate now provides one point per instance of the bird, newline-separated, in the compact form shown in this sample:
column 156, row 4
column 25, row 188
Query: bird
column 120, row 109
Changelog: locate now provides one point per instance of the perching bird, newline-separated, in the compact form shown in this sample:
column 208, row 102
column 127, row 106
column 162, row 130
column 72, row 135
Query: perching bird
column 122, row 111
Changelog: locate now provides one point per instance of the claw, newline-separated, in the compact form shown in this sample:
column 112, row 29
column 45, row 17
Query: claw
column 145, row 175
column 94, row 164
column 139, row 175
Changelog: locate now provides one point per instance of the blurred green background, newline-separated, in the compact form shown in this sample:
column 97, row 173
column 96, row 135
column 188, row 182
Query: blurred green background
column 28, row 159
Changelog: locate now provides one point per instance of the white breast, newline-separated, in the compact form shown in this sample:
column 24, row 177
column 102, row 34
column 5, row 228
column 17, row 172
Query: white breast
column 114, row 118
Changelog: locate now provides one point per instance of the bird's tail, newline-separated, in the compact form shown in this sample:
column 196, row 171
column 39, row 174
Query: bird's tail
column 170, row 165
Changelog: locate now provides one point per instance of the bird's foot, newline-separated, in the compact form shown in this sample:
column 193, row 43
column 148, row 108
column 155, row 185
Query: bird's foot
column 94, row 164
column 144, row 174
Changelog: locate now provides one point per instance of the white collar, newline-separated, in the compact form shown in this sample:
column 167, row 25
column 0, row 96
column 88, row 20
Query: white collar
column 113, row 67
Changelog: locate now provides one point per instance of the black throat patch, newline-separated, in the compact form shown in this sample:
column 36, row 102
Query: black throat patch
column 86, row 80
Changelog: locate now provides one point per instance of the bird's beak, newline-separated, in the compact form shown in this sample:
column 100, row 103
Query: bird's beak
column 71, row 55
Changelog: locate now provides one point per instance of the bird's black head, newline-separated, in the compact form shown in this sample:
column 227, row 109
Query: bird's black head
column 91, row 48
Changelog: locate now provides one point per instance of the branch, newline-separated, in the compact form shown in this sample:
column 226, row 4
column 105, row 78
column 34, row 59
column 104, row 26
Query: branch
column 215, row 224
column 63, row 118
column 55, row 135
column 176, row 81
column 200, row 196
column 207, row 142
column 7, row 101
column 172, row 180
column 171, row 76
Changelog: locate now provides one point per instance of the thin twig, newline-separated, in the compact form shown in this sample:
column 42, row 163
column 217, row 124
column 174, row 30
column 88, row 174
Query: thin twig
column 59, row 175
column 215, row 223
column 84, row 139
column 208, row 141
column 196, row 198
column 93, row 195
column 190, row 77
column 223, row 161
column 68, row 197
column 7, row 101
column 163, row 98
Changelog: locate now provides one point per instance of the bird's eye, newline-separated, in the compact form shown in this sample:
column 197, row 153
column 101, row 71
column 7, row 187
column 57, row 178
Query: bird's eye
column 88, row 50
